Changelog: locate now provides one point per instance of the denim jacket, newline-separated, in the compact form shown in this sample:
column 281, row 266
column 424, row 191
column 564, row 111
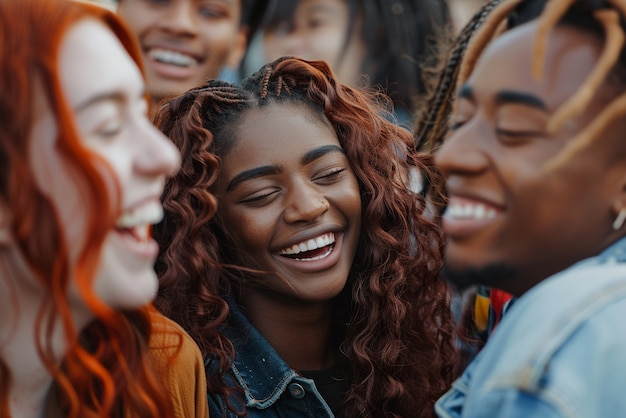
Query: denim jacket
column 560, row 351
column 271, row 388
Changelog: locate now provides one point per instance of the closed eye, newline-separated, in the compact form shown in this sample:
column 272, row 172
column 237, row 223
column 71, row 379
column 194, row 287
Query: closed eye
column 454, row 126
column 261, row 198
column 330, row 175
column 516, row 136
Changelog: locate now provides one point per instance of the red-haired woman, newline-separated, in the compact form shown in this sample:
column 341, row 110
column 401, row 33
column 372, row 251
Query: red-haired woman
column 314, row 290
column 81, row 173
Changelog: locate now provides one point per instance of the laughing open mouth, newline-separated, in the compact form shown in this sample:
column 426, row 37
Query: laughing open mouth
column 311, row 250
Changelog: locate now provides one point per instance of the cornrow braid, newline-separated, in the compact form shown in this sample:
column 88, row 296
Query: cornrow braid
column 266, row 80
column 394, row 299
column 431, row 129
column 494, row 18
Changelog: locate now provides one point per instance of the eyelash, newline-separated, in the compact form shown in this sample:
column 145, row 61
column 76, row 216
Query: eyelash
column 108, row 132
column 331, row 174
column 266, row 197
column 454, row 126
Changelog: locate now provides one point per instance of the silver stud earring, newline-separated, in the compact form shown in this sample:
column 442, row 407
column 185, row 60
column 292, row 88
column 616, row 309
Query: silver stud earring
column 619, row 221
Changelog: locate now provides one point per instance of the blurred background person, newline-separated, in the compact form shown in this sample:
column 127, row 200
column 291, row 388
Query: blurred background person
column 462, row 12
column 185, row 42
column 368, row 43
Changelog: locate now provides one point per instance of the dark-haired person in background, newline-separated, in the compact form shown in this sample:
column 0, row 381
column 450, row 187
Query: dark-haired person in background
column 185, row 42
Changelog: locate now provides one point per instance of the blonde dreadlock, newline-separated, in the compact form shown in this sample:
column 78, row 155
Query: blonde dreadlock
column 486, row 26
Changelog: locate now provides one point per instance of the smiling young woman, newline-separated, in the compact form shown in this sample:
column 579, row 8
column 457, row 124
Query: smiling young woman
column 82, row 169
column 296, row 255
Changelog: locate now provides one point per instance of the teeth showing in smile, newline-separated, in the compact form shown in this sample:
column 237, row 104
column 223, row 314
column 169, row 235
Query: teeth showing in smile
column 138, row 221
column 326, row 240
column 172, row 57
column 470, row 211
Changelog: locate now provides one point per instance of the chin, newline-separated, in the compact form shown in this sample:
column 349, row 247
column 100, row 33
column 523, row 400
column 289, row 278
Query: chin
column 133, row 293
column 492, row 275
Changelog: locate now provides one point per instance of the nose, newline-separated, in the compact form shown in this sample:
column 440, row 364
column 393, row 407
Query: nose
column 462, row 151
column 304, row 203
column 180, row 18
column 158, row 155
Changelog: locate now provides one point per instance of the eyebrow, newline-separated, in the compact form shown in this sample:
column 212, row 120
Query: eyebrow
column 103, row 97
column 507, row 97
column 268, row 170
column 510, row 96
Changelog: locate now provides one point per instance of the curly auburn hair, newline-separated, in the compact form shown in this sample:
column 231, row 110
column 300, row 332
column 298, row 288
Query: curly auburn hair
column 106, row 371
column 398, row 343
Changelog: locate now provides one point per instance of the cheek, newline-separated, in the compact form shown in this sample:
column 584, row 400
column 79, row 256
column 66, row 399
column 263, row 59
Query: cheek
column 219, row 39
column 249, row 231
column 349, row 200
column 60, row 186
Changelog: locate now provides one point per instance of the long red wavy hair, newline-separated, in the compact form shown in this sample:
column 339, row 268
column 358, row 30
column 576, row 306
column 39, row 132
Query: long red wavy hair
column 106, row 371
column 395, row 326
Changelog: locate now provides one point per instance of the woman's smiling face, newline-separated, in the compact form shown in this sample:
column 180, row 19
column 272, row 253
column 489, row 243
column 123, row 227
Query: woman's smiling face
column 290, row 201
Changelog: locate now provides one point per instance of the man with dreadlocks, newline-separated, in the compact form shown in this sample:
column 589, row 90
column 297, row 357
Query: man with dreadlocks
column 535, row 165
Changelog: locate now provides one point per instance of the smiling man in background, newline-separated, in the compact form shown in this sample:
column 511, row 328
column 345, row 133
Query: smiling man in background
column 185, row 42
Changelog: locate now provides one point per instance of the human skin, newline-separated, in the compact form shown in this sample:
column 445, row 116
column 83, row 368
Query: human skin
column 319, row 31
column 269, row 214
column 106, row 96
column 513, row 208
column 111, row 120
column 185, row 42
column 306, row 193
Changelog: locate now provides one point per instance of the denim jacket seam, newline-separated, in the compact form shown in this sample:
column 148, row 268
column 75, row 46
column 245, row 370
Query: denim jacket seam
column 271, row 398
column 557, row 399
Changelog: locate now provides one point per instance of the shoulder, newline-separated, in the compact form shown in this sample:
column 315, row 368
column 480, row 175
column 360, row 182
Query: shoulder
column 178, row 362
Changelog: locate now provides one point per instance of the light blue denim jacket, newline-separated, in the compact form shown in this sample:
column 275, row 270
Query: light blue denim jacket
column 560, row 351
column 272, row 389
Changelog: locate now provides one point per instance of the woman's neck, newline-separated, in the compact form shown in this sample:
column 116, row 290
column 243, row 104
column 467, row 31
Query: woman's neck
column 21, row 297
column 298, row 331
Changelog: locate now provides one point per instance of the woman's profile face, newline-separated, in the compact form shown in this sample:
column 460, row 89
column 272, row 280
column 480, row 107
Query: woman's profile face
column 291, row 203
column 105, row 91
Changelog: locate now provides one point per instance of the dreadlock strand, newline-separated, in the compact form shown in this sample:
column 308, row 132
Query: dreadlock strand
column 619, row 5
column 586, row 138
column 483, row 37
column 552, row 13
column 431, row 130
column 610, row 55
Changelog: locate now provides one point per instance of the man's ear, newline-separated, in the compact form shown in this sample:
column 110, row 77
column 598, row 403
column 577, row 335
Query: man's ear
column 618, row 200
column 238, row 49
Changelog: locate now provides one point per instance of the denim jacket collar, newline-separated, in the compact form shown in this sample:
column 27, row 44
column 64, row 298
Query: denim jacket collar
column 257, row 367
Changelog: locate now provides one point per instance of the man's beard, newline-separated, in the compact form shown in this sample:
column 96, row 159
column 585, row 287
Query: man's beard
column 492, row 275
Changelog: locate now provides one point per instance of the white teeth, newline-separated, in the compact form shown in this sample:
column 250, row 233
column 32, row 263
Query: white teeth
column 172, row 57
column 470, row 211
column 147, row 214
column 310, row 245
column 142, row 232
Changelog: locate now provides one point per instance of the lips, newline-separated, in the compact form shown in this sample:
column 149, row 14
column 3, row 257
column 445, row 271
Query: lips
column 470, row 210
column 465, row 216
column 168, row 56
column 314, row 255
column 311, row 249
column 133, row 227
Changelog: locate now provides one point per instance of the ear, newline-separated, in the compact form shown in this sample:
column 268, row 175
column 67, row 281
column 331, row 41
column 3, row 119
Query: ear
column 618, row 199
column 238, row 49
